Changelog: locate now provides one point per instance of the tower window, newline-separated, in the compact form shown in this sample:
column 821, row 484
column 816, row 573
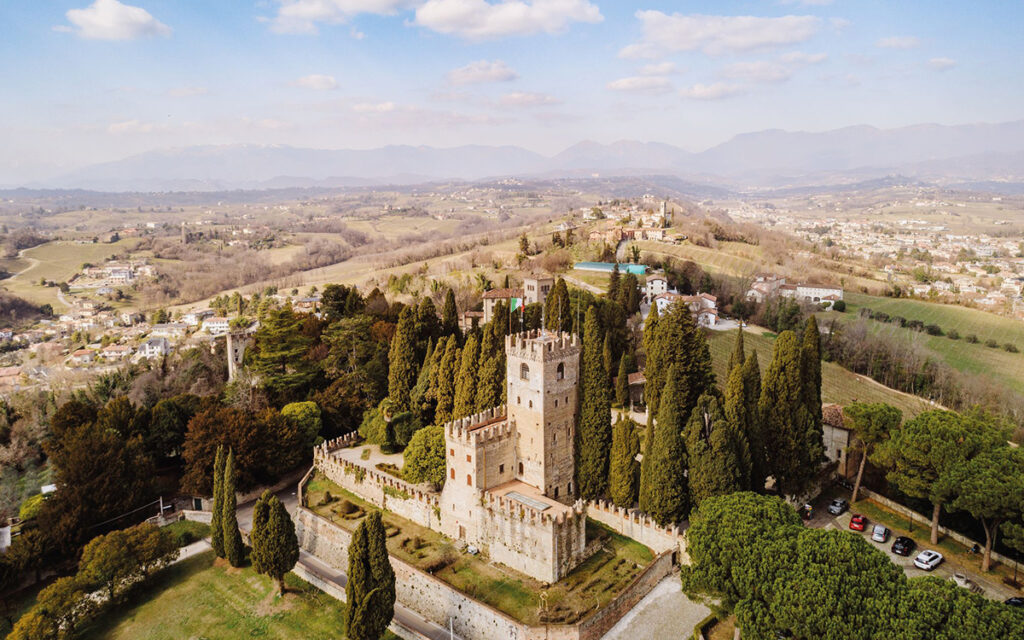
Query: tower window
column 560, row 371
column 520, row 468
column 469, row 479
column 524, row 372
column 556, row 492
column 469, row 458
column 451, row 452
column 531, row 404
column 453, row 473
column 501, row 469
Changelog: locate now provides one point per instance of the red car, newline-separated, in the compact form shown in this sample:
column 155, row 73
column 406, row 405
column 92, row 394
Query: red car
column 858, row 522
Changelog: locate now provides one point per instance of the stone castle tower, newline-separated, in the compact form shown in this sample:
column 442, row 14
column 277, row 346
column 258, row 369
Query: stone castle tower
column 543, row 377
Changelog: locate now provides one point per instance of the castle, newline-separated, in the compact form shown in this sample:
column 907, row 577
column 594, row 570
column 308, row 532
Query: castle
column 510, row 470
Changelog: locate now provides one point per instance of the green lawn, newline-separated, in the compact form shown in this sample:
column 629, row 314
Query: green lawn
column 195, row 599
column 188, row 531
column 838, row 385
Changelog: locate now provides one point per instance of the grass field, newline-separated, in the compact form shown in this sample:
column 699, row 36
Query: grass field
column 730, row 258
column 194, row 599
column 838, row 385
column 1002, row 367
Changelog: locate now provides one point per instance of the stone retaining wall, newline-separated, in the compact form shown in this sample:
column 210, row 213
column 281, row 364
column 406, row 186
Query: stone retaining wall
column 640, row 527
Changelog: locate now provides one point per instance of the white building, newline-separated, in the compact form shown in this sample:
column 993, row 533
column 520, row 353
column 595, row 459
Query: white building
column 703, row 306
column 656, row 285
column 155, row 348
column 194, row 318
column 217, row 326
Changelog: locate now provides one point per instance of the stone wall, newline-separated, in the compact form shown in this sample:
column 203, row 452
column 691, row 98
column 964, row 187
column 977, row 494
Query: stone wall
column 598, row 623
column 640, row 527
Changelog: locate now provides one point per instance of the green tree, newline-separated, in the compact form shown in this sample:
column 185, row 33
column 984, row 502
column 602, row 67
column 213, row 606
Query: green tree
column 466, row 381
column 615, row 283
column 810, row 374
column 402, row 361
column 370, row 591
column 737, row 357
column 558, row 311
column 491, row 369
column 234, row 548
column 794, row 446
column 624, row 471
column 275, row 548
column 714, row 467
column 678, row 342
column 593, row 435
column 990, row 487
column 622, row 383
column 872, row 423
column 450, row 316
column 666, row 497
column 217, row 513
column 306, row 418
column 424, row 457
column 608, row 357
column 281, row 350
column 446, row 380
column 742, row 422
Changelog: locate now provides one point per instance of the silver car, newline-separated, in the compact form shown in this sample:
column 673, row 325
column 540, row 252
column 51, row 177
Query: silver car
column 880, row 533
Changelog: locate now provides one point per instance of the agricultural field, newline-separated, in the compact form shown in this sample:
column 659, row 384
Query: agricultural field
column 1002, row 367
column 838, row 385
column 198, row 599
column 730, row 258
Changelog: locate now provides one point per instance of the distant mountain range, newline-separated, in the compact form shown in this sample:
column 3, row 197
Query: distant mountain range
column 989, row 153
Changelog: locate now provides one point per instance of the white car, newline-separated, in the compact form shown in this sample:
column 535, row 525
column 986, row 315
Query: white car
column 928, row 560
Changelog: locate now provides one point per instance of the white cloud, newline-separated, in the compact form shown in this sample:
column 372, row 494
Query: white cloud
column 942, row 64
column 187, row 92
column 317, row 82
column 799, row 57
column 899, row 42
column 759, row 71
column 716, row 35
column 302, row 16
column 482, row 71
column 111, row 20
column 374, row 107
column 641, row 84
column 481, row 20
column 716, row 91
column 659, row 69
column 524, row 99
column 131, row 127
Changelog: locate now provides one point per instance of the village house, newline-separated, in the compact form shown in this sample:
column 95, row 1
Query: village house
column 195, row 318
column 703, row 306
column 170, row 330
column 83, row 357
column 217, row 326
column 511, row 297
column 656, row 285
column 154, row 348
column 116, row 352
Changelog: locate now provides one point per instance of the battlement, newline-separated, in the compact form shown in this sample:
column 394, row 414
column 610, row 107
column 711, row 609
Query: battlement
column 340, row 471
column 341, row 442
column 510, row 508
column 541, row 345
column 479, row 427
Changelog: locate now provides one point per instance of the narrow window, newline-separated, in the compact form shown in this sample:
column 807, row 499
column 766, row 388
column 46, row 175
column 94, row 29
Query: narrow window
column 556, row 492
column 469, row 479
column 453, row 475
column 524, row 372
column 451, row 452
column 560, row 371
column 501, row 469
column 469, row 458
column 531, row 404
column 520, row 468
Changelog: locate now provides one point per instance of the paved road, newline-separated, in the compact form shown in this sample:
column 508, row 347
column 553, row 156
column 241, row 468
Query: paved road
column 665, row 613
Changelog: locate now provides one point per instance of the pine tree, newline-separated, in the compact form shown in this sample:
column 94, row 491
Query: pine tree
column 679, row 343
column 794, row 449
column 646, row 490
column 234, row 548
column 624, row 470
column 667, row 494
column 217, row 516
column 594, row 432
column 450, row 316
column 466, row 383
column 810, row 374
column 737, row 357
column 491, row 369
column 755, row 425
column 275, row 548
column 714, row 469
column 622, row 383
column 446, row 373
column 630, row 294
column 402, row 361
column 558, row 310
column 370, row 592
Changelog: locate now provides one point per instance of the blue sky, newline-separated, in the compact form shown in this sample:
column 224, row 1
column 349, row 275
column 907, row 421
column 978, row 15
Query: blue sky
column 94, row 80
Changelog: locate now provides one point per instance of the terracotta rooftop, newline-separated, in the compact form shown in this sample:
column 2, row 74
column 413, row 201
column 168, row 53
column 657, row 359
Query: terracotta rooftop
column 503, row 294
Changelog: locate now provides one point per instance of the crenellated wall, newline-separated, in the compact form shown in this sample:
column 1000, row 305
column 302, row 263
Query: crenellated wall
column 542, row 545
column 640, row 527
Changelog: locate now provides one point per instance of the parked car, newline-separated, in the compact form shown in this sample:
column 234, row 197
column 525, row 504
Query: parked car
column 880, row 533
column 858, row 522
column 838, row 506
column 903, row 546
column 1015, row 602
column 928, row 560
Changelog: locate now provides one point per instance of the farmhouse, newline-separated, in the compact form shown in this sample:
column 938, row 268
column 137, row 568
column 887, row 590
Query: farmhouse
column 703, row 306
column 511, row 297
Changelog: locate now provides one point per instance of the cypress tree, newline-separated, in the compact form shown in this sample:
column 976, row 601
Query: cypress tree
column 737, row 357
column 755, row 426
column 466, row 383
column 594, row 433
column 491, row 369
column 714, row 468
column 558, row 310
column 646, row 490
column 667, row 492
column 422, row 396
column 608, row 358
column 275, row 548
column 217, row 516
column 428, row 326
column 402, row 361
column 653, row 373
column 738, row 414
column 630, row 296
column 624, row 470
column 615, row 284
column 622, row 383
column 446, row 373
column 450, row 316
column 370, row 592
column 810, row 375
column 793, row 454
column 234, row 548
column 679, row 343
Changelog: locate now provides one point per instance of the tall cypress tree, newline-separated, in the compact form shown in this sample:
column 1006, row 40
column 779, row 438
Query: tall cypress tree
column 714, row 468
column 370, row 592
column 624, row 470
column 615, row 284
column 275, row 548
column 737, row 357
column 679, row 343
column 810, row 374
column 793, row 454
column 234, row 548
column 491, row 369
column 450, row 316
column 622, row 383
column 402, row 361
column 446, row 373
column 645, row 492
column 593, row 437
column 608, row 357
column 217, row 516
column 466, row 383
column 737, row 414
column 667, row 494
column 759, row 471
column 654, row 374
column 558, row 310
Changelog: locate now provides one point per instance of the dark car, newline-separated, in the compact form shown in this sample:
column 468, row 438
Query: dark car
column 903, row 546
column 858, row 522
column 838, row 506
column 1015, row 602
